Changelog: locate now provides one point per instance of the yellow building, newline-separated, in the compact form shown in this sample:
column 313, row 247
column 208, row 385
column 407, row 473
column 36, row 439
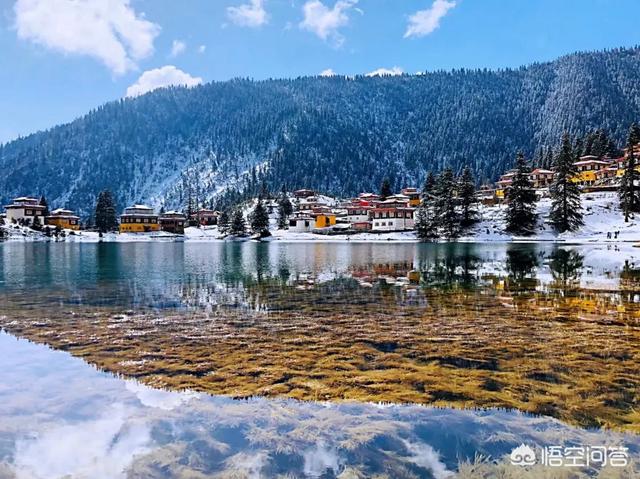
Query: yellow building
column 64, row 219
column 324, row 220
column 620, row 171
column 414, row 196
column 587, row 171
column 139, row 219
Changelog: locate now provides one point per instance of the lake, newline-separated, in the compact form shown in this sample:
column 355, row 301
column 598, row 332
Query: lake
column 314, row 359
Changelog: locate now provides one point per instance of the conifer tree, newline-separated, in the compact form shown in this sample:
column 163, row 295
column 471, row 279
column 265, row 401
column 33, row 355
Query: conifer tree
column 260, row 219
column 447, row 217
column 238, row 227
column 36, row 224
column 548, row 159
column 285, row 209
column 43, row 202
column 566, row 208
column 629, row 190
column 425, row 224
column 385, row 189
column 223, row 222
column 577, row 149
column 521, row 210
column 106, row 212
column 466, row 195
column 429, row 184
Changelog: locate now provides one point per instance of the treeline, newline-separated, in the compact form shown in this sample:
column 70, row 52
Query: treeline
column 447, row 207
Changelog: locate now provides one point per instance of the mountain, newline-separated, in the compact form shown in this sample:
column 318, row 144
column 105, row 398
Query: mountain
column 338, row 135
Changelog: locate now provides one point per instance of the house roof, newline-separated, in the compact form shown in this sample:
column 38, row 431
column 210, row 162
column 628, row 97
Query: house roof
column 31, row 207
column 61, row 212
column 25, row 198
column 586, row 162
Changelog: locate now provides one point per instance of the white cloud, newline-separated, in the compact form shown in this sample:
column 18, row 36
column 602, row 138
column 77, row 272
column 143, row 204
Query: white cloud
column 328, row 73
column 157, row 398
column 325, row 22
column 386, row 72
column 161, row 77
column 424, row 22
column 320, row 458
column 202, row 48
column 100, row 448
column 423, row 455
column 252, row 14
column 177, row 47
column 109, row 30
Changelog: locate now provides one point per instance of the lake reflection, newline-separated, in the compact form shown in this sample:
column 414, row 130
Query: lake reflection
column 543, row 329
column 61, row 418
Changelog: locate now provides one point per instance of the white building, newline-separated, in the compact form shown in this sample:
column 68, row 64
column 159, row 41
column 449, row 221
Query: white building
column 357, row 213
column 301, row 224
column 312, row 203
column 392, row 218
column 25, row 209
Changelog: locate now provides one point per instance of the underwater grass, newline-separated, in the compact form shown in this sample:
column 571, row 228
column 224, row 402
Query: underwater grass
column 570, row 354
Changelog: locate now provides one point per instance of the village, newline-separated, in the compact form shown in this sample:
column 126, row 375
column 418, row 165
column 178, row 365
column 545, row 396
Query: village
column 314, row 213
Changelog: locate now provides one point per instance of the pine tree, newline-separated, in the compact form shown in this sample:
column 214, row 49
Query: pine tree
column 223, row 222
column 629, row 190
column 467, row 197
column 43, row 202
column 548, row 159
column 429, row 185
column 447, row 217
column 237, row 227
column 36, row 224
column 285, row 209
column 260, row 219
column 425, row 225
column 106, row 212
column 385, row 189
column 521, row 210
column 264, row 190
column 577, row 149
column 566, row 208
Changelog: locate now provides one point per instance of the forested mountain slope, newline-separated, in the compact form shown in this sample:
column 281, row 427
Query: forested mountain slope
column 339, row 135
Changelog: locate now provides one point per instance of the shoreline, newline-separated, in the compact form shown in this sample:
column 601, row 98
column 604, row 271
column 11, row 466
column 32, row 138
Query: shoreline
column 139, row 238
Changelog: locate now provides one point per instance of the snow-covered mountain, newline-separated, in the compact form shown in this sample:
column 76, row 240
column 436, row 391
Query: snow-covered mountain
column 340, row 135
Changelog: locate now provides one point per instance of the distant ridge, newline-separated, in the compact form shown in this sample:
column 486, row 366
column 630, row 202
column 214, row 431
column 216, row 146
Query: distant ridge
column 336, row 134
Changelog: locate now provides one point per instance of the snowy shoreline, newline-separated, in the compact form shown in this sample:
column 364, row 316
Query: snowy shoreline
column 601, row 216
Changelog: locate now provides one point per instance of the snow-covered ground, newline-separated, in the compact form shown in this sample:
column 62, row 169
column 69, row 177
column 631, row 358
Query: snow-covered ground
column 601, row 216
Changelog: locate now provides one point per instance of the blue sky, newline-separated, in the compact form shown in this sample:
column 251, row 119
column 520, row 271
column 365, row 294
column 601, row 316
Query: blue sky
column 60, row 58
